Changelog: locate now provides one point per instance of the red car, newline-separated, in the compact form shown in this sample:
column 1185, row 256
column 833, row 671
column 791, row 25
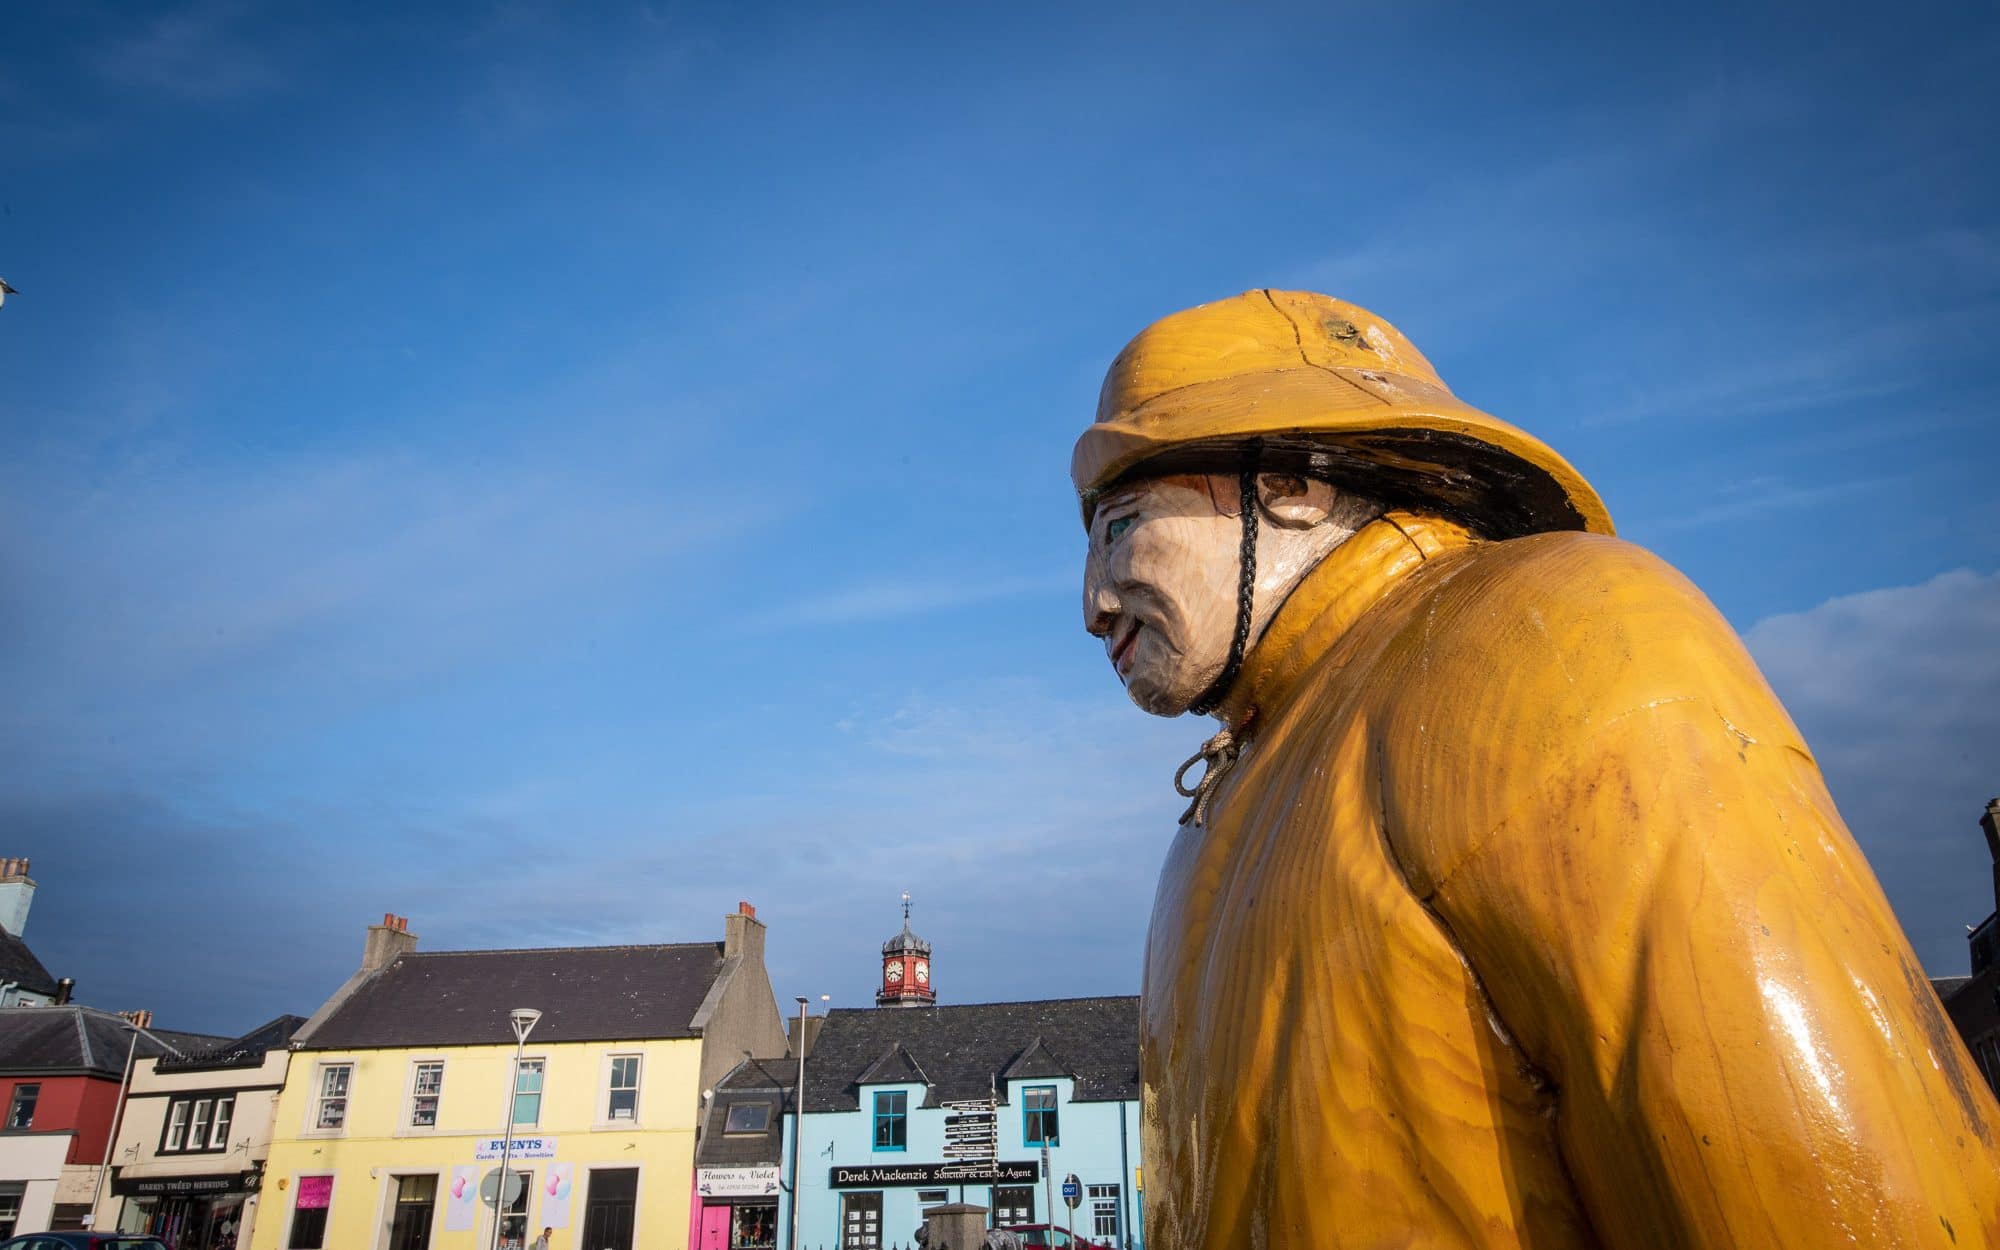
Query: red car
column 1052, row 1237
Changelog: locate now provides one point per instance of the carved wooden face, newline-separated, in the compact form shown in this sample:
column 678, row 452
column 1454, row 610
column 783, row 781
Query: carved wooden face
column 1160, row 579
column 1159, row 587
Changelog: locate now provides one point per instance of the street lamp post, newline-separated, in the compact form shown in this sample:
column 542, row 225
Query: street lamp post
column 118, row 1113
column 523, row 1020
column 798, row 1122
column 799, row 1118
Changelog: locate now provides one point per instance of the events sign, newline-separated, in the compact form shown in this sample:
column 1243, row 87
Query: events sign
column 971, row 1172
column 524, row 1148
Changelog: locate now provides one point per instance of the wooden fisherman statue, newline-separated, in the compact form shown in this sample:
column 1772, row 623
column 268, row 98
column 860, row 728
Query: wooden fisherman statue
column 1512, row 909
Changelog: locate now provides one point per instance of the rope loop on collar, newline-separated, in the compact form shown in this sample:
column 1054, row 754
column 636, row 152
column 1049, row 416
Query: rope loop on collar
column 1220, row 754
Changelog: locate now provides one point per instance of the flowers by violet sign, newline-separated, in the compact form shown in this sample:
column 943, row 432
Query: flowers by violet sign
column 524, row 1148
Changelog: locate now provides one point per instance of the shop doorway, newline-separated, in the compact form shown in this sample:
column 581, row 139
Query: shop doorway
column 416, row 1203
column 861, row 1221
column 608, row 1213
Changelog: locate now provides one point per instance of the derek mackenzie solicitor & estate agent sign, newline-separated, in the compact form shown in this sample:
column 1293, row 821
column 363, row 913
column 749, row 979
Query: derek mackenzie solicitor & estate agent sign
column 974, row 1172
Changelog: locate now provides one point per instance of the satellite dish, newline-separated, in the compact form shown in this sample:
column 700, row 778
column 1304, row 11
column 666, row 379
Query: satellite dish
column 489, row 1185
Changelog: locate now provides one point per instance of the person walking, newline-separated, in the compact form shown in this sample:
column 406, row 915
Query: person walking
column 542, row 1242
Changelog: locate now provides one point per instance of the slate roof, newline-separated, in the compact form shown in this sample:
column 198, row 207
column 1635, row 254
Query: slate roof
column 896, row 1067
column 247, row 1051
column 585, row 994
column 1973, row 1003
column 753, row 1080
column 965, row 1051
column 19, row 965
column 84, row 1040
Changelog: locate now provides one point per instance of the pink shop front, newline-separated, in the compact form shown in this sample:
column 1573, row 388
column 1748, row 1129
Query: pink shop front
column 735, row 1201
column 735, row 1209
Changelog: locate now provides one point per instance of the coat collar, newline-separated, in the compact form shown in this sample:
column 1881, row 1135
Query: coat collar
column 1329, row 600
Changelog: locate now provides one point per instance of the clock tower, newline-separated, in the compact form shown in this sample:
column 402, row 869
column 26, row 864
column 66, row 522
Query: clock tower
column 906, row 968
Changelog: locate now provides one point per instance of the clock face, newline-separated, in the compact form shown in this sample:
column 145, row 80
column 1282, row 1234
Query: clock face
column 923, row 972
column 895, row 972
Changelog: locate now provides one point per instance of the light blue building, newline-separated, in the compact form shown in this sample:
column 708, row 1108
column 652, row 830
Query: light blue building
column 1062, row 1074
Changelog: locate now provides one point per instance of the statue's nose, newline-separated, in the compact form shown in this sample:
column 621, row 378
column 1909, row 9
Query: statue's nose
column 1100, row 603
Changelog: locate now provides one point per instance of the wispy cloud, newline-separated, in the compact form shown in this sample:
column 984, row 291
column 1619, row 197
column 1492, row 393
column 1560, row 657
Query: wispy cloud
column 1898, row 693
column 161, row 594
column 1763, row 496
column 891, row 598
column 199, row 52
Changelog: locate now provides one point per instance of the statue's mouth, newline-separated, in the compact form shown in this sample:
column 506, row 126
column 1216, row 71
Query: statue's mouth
column 1121, row 651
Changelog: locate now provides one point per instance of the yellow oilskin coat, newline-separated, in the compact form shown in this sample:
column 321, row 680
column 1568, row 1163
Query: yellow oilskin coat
column 1525, row 920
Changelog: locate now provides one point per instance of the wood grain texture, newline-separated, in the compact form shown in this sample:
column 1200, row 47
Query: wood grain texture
column 1526, row 920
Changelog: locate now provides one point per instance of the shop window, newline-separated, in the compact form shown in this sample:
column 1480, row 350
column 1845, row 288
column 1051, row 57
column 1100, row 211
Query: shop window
column 309, row 1213
column 622, row 1102
column 22, row 1113
column 1038, row 1115
column 1104, row 1212
column 748, row 1117
column 928, row 1198
column 528, row 1091
column 892, row 1120
column 861, row 1220
column 331, row 1111
column 10, row 1205
column 1013, row 1204
column 68, row 1217
column 426, row 1087
column 514, row 1225
column 753, row 1227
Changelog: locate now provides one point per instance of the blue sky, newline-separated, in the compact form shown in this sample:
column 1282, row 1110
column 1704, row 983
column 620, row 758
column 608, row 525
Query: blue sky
column 552, row 471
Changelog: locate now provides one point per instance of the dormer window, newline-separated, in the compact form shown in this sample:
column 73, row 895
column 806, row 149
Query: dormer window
column 1038, row 1115
column 892, row 1120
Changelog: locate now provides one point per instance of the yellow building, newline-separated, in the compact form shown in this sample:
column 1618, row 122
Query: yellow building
column 390, row 1117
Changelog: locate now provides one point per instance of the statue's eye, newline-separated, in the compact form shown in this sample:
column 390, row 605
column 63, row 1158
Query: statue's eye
column 1113, row 529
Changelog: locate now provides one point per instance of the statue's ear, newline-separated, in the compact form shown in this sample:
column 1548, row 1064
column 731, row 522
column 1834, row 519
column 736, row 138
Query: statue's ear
column 1294, row 502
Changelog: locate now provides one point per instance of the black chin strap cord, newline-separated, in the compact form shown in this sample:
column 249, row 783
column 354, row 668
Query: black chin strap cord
column 1246, row 585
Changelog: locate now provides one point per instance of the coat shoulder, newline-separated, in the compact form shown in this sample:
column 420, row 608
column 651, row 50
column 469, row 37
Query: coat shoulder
column 1582, row 620
column 1512, row 661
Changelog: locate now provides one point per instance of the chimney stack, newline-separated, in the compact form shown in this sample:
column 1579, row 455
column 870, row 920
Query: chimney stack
column 143, row 1017
column 17, row 893
column 743, row 934
column 387, row 942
